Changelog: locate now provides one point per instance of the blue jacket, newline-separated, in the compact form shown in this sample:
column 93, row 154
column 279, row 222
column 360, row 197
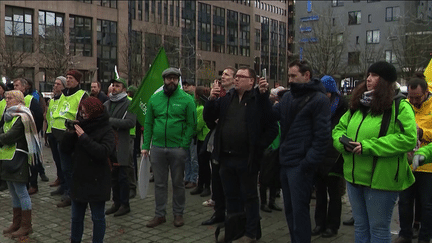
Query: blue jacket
column 305, row 141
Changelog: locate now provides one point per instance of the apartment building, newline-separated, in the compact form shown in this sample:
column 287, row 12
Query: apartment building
column 40, row 39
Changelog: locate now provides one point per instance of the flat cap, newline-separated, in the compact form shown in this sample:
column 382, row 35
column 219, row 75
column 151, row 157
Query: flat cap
column 171, row 71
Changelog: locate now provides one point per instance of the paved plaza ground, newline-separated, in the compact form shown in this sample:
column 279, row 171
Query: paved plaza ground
column 52, row 224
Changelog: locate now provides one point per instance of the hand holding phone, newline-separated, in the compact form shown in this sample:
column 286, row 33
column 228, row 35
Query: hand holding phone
column 346, row 142
column 215, row 91
column 264, row 73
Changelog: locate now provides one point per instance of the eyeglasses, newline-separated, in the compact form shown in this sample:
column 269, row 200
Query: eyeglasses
column 242, row 76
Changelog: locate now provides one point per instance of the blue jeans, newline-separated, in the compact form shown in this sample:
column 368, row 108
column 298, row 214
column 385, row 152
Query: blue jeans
column 66, row 165
column 98, row 218
column 240, row 186
column 20, row 197
column 191, row 166
column 297, row 183
column 56, row 156
column 372, row 212
column 420, row 190
column 164, row 160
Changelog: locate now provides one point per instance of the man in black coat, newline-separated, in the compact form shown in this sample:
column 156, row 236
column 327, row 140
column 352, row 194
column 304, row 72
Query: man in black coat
column 244, row 130
column 304, row 114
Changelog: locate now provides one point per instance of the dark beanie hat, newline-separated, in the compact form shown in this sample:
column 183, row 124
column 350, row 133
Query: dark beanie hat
column 385, row 70
column 93, row 106
column 76, row 74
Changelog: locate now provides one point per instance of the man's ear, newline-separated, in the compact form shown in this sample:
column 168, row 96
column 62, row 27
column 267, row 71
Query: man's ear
column 308, row 75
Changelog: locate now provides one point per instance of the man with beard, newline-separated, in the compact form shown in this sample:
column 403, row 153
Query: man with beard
column 121, row 121
column 169, row 125
column 97, row 92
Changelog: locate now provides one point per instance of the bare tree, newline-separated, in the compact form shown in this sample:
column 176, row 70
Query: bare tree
column 137, row 64
column 411, row 42
column 323, row 44
column 13, row 55
column 54, row 54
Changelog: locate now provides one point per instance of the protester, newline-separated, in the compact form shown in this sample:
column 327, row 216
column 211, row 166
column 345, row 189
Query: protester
column 3, row 89
column 121, row 121
column 204, row 171
column 169, row 125
column 191, row 167
column 375, row 161
column 67, row 109
column 90, row 140
column 304, row 114
column 329, row 179
column 95, row 91
column 244, row 130
column 20, row 147
column 418, row 193
column 59, row 85
column 218, row 196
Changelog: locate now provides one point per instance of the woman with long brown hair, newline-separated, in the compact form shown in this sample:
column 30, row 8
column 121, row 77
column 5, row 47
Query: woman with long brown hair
column 382, row 129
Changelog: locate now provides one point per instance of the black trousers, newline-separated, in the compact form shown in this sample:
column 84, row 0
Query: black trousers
column 204, row 171
column 328, row 217
column 120, row 185
column 218, row 194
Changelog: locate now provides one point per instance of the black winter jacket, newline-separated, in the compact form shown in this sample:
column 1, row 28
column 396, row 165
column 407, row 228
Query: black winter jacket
column 305, row 135
column 262, row 128
column 91, row 174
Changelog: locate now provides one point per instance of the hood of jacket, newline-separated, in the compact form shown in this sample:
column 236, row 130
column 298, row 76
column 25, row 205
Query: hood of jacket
column 314, row 85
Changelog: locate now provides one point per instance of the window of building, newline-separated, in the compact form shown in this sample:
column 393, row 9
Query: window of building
column 334, row 21
column 244, row 35
column 337, row 3
column 133, row 8
column 146, row 11
column 107, row 3
column 257, row 39
column 204, row 26
column 232, row 37
column 80, row 35
column 357, row 39
column 165, row 13
column 159, row 17
column 140, row 17
column 390, row 57
column 171, row 45
column 51, row 30
column 106, row 49
column 19, row 28
column 84, row 1
column 370, row 18
column 218, row 30
column 353, row 58
column 354, row 17
column 371, row 1
column 392, row 14
column 372, row 36
column 171, row 13
column 257, row 18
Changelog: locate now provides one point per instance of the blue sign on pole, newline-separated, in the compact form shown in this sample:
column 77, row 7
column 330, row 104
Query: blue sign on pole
column 309, row 6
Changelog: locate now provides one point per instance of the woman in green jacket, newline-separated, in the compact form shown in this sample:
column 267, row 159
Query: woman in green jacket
column 375, row 162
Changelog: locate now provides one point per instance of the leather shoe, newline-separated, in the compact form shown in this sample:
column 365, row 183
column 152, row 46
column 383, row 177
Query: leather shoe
column 132, row 194
column 59, row 191
column 122, row 211
column 318, row 230
column 213, row 220
column 32, row 190
column 178, row 221
column 206, row 192
column 197, row 190
column 55, row 183
column 349, row 221
column 275, row 207
column 401, row 239
column 64, row 203
column 114, row 208
column 155, row 222
column 265, row 208
column 329, row 233
column 44, row 177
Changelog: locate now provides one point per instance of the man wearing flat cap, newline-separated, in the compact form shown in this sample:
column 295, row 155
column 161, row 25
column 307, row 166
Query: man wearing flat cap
column 121, row 121
column 67, row 108
column 169, row 125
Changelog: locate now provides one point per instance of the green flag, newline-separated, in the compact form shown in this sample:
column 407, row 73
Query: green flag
column 150, row 83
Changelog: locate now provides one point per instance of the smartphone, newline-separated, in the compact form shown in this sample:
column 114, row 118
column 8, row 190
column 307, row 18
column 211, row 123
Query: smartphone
column 264, row 73
column 345, row 141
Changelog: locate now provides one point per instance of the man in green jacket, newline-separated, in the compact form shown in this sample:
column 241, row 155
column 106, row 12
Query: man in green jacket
column 169, row 125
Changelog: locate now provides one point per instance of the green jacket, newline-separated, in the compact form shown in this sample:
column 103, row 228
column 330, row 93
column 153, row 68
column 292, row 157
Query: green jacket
column 426, row 151
column 392, row 171
column 170, row 121
column 202, row 128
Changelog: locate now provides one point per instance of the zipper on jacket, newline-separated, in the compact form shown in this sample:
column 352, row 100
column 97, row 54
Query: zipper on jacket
column 397, row 172
column 356, row 136
column 166, row 122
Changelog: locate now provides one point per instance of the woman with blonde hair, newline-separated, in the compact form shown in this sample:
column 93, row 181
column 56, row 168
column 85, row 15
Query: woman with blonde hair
column 19, row 148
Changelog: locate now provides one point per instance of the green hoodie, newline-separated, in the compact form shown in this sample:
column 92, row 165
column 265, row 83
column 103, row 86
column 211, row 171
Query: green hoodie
column 170, row 121
column 392, row 171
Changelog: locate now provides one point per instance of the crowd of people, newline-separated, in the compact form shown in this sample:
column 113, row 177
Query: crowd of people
column 233, row 142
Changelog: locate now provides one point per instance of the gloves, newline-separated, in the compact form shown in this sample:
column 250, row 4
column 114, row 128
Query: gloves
column 417, row 161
